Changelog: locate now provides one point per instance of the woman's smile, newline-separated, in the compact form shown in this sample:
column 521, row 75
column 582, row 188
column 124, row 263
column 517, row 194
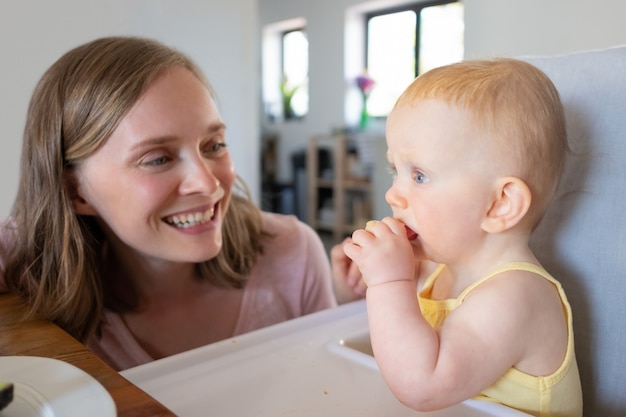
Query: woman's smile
column 191, row 219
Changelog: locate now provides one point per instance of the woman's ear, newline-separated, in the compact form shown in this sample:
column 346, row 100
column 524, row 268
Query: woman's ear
column 81, row 206
column 511, row 202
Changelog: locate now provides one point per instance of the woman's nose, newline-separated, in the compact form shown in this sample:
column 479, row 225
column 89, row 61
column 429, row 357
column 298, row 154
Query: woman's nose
column 199, row 177
column 394, row 198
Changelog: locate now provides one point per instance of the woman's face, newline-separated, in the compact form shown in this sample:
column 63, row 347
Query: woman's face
column 162, row 182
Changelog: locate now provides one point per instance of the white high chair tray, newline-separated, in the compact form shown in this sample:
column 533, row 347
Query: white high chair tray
column 313, row 366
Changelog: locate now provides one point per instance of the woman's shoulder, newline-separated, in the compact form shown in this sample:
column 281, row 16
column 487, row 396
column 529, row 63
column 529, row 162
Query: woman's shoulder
column 284, row 224
column 290, row 235
column 294, row 267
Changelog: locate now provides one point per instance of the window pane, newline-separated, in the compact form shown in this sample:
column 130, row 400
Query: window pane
column 390, row 58
column 295, row 71
column 441, row 36
column 392, row 41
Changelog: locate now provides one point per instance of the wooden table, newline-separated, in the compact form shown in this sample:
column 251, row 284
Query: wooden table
column 39, row 337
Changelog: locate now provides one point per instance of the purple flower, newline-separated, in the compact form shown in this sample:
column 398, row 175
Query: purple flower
column 365, row 84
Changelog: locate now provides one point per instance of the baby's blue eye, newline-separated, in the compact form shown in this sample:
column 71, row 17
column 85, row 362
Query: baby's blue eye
column 420, row 178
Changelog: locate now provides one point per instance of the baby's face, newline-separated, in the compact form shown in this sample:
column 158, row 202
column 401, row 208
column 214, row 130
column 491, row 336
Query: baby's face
column 444, row 176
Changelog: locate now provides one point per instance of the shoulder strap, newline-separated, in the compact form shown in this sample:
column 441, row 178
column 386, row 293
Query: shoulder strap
column 512, row 266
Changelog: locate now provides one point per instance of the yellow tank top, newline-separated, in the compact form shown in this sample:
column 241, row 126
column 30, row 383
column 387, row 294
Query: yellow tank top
column 555, row 395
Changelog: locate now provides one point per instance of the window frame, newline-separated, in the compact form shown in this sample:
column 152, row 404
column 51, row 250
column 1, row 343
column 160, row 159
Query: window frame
column 417, row 9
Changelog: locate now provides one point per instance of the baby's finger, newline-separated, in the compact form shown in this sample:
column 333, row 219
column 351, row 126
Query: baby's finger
column 337, row 255
column 395, row 225
column 354, row 275
column 362, row 237
column 351, row 249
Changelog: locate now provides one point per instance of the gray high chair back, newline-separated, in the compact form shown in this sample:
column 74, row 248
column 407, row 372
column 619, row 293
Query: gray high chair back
column 582, row 240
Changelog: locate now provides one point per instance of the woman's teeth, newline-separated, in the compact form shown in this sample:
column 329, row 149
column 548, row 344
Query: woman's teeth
column 191, row 219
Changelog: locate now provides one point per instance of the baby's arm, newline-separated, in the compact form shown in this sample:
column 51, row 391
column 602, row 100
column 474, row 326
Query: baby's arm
column 425, row 368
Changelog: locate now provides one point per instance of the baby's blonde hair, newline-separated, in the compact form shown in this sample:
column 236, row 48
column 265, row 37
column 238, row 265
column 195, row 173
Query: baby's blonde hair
column 518, row 107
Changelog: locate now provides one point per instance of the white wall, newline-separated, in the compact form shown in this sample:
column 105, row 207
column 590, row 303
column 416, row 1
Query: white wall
column 492, row 28
column 542, row 27
column 219, row 35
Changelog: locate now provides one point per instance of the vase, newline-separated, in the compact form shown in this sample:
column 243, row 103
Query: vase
column 363, row 122
column 365, row 117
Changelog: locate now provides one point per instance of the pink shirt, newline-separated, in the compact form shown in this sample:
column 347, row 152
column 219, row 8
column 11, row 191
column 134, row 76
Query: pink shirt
column 292, row 278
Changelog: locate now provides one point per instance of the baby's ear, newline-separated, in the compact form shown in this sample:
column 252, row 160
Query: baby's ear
column 81, row 206
column 510, row 204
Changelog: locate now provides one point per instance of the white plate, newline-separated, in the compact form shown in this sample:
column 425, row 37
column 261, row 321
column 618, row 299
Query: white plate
column 45, row 387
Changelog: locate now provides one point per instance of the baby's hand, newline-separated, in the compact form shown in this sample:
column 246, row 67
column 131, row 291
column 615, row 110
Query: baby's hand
column 347, row 280
column 382, row 251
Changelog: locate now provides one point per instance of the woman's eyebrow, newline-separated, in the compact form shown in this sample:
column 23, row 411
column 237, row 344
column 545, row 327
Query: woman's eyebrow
column 154, row 141
column 162, row 140
column 217, row 126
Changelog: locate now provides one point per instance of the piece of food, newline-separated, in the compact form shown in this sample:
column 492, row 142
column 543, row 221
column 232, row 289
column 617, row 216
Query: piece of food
column 6, row 394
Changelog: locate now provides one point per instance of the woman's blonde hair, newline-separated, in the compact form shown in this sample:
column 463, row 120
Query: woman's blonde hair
column 520, row 111
column 58, row 258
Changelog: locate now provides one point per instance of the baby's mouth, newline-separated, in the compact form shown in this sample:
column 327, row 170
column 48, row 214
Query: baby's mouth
column 190, row 219
column 410, row 234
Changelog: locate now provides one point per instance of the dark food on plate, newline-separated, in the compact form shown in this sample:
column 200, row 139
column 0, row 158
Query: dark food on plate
column 6, row 394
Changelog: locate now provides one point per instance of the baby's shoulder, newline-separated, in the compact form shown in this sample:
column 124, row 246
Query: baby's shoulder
column 523, row 292
column 528, row 304
column 520, row 278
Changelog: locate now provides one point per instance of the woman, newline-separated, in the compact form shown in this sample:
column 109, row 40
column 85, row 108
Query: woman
column 131, row 229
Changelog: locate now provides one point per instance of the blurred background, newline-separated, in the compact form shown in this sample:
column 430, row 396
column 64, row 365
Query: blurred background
column 286, row 70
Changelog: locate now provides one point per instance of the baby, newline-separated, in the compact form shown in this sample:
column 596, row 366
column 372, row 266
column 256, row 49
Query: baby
column 477, row 149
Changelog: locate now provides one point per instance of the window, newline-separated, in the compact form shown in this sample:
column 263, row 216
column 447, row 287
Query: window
column 295, row 70
column 403, row 42
column 285, row 70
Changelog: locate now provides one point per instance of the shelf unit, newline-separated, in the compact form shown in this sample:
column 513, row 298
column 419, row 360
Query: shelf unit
column 348, row 198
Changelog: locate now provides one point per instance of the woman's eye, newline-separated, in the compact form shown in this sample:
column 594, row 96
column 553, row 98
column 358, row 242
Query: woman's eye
column 420, row 178
column 216, row 148
column 153, row 162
